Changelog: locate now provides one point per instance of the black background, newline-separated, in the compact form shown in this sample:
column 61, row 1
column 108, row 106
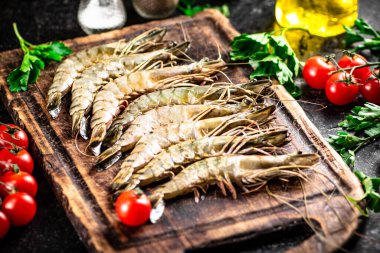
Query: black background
column 45, row 20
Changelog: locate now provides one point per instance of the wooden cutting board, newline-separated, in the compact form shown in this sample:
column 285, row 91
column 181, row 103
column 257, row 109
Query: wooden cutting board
column 185, row 224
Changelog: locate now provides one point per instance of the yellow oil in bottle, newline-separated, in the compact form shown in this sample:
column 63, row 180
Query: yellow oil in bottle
column 324, row 18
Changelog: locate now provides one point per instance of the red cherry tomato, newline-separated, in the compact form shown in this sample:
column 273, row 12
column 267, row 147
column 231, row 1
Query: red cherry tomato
column 360, row 74
column 21, row 181
column 133, row 208
column 20, row 208
column 316, row 72
column 340, row 93
column 4, row 224
column 370, row 90
column 18, row 156
column 14, row 134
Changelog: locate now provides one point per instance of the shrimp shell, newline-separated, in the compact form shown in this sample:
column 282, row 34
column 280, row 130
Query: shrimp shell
column 160, row 116
column 182, row 95
column 151, row 144
column 244, row 170
column 166, row 162
column 92, row 79
column 75, row 64
column 115, row 93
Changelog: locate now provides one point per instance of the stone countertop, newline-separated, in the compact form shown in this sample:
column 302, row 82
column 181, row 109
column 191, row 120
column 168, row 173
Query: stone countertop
column 45, row 20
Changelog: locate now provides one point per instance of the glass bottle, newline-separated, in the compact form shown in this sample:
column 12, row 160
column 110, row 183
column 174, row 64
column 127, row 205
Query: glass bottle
column 97, row 16
column 324, row 18
column 154, row 9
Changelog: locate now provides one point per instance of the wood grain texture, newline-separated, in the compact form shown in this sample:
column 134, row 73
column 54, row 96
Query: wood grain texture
column 83, row 191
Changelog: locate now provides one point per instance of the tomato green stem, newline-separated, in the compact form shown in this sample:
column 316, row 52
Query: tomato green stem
column 356, row 67
column 14, row 166
column 10, row 189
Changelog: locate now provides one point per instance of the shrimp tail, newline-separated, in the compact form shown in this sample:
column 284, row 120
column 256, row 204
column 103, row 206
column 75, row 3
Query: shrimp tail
column 97, row 135
column 121, row 178
column 112, row 136
column 109, row 156
column 157, row 210
column 77, row 120
column 54, row 104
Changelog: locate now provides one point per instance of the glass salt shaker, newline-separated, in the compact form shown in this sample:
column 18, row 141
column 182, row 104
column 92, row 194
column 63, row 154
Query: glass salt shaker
column 154, row 9
column 97, row 16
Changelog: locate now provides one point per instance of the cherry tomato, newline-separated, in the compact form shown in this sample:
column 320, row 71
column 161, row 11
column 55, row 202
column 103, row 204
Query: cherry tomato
column 4, row 224
column 20, row 208
column 14, row 134
column 360, row 74
column 133, row 208
column 21, row 181
column 18, row 156
column 370, row 89
column 316, row 72
column 340, row 93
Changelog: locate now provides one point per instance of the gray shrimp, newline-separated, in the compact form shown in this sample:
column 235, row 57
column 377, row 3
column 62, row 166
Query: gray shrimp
column 85, row 88
column 158, row 117
column 246, row 171
column 115, row 94
column 75, row 64
column 181, row 95
column 161, row 138
column 169, row 160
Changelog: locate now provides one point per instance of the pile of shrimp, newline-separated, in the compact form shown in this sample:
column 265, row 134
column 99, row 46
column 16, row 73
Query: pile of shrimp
column 147, row 102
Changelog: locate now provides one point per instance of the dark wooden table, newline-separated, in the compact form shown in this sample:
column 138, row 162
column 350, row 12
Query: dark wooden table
column 51, row 231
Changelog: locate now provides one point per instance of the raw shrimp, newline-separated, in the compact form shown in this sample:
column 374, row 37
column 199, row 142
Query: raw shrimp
column 246, row 171
column 92, row 79
column 182, row 95
column 71, row 67
column 165, row 115
column 151, row 144
column 166, row 162
column 114, row 94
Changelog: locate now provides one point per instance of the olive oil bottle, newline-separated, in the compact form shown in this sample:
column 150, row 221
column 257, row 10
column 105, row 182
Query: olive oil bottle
column 324, row 18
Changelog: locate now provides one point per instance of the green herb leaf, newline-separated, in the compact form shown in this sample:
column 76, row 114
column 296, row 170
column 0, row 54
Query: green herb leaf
column 365, row 118
column 269, row 56
column 188, row 8
column 371, row 187
column 18, row 80
column 34, row 60
column 362, row 117
column 359, row 33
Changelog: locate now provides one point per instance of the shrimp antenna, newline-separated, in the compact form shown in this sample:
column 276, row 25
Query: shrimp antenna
column 77, row 147
column 185, row 35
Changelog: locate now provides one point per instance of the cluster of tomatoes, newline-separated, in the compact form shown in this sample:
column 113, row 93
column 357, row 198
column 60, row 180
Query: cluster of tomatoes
column 17, row 185
column 342, row 83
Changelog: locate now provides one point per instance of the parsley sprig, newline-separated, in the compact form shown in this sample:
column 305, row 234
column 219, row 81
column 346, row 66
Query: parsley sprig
column 366, row 120
column 189, row 8
column 371, row 187
column 364, row 35
column 36, row 57
column 270, row 56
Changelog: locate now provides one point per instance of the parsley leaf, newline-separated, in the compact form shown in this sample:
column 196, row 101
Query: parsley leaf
column 371, row 186
column 189, row 8
column 364, row 33
column 270, row 56
column 35, row 59
column 364, row 119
